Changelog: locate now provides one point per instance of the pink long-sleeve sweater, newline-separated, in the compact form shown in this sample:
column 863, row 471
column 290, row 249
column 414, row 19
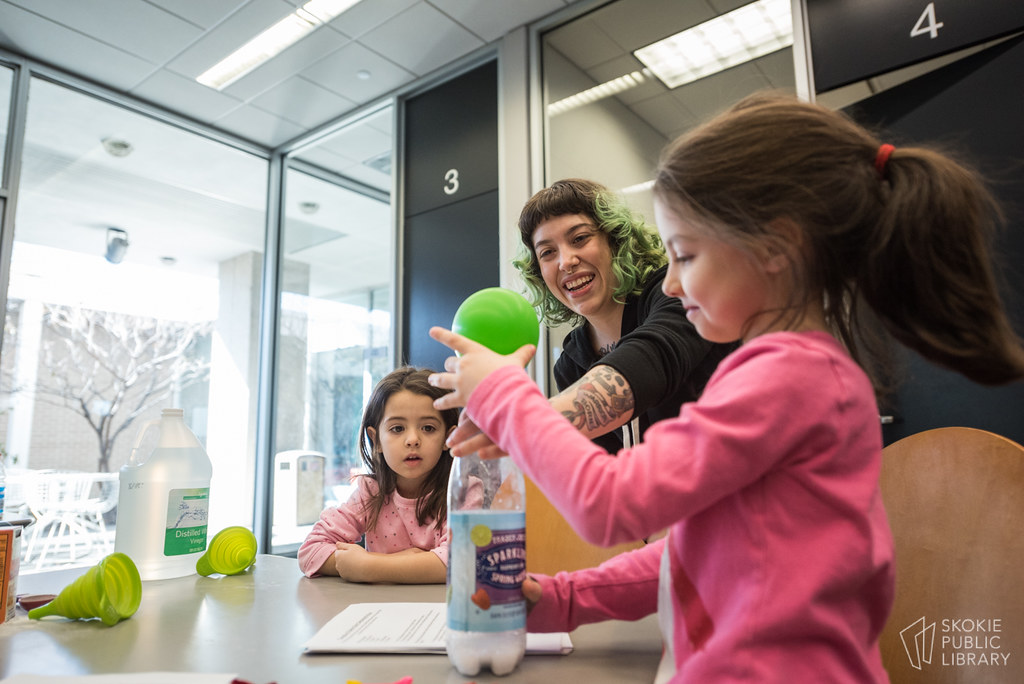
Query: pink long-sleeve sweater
column 396, row 529
column 778, row 564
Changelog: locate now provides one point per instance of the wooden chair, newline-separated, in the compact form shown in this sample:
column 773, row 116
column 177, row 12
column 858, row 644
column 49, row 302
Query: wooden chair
column 955, row 500
column 552, row 545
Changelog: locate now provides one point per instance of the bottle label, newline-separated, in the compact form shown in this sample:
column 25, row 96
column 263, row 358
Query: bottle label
column 486, row 568
column 187, row 510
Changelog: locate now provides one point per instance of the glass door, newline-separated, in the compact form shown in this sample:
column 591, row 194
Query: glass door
column 334, row 318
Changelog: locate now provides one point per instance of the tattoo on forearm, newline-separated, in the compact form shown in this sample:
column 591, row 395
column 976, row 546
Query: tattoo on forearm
column 600, row 398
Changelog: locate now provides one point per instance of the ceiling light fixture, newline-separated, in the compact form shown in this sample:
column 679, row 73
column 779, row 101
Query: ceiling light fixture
column 726, row 41
column 117, row 245
column 638, row 188
column 599, row 92
column 116, row 147
column 271, row 42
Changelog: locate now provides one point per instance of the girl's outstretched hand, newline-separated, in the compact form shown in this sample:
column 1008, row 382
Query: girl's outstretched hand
column 474, row 363
column 467, row 438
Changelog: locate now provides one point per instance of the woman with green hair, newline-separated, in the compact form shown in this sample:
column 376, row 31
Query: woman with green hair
column 633, row 358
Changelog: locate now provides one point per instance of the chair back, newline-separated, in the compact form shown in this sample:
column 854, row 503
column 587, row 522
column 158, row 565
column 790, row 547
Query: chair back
column 955, row 500
column 552, row 545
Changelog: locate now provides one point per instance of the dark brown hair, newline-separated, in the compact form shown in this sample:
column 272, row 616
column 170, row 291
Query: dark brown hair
column 636, row 246
column 908, row 246
column 434, row 504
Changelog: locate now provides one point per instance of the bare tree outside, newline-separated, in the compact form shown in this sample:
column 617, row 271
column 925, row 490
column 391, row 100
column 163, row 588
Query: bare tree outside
column 112, row 368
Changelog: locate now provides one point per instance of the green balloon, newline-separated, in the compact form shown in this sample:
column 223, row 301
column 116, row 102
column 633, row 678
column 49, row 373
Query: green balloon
column 499, row 319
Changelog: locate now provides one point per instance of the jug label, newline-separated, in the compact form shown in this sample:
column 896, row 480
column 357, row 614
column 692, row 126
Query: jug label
column 486, row 568
column 187, row 511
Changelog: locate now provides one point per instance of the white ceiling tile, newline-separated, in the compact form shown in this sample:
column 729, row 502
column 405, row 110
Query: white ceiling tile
column 29, row 34
column 349, row 168
column 131, row 25
column 259, row 126
column 636, row 23
column 234, row 32
column 359, row 143
column 778, row 69
column 723, row 6
column 620, row 66
column 338, row 71
column 203, row 14
column 382, row 121
column 364, row 174
column 311, row 49
column 421, row 39
column 174, row 91
column 583, row 43
column 327, row 159
column 368, row 15
column 712, row 94
column 490, row 20
column 665, row 113
column 303, row 102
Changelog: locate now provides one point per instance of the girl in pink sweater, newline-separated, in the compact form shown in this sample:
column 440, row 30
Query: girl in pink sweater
column 790, row 229
column 400, row 505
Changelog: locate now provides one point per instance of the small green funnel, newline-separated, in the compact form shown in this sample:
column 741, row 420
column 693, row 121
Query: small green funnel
column 111, row 591
column 231, row 552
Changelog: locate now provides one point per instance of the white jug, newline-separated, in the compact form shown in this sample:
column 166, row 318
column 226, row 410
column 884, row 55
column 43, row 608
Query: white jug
column 163, row 502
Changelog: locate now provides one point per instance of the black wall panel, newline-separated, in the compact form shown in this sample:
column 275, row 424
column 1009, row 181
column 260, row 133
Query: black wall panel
column 452, row 128
column 972, row 106
column 852, row 40
column 450, row 254
column 450, row 245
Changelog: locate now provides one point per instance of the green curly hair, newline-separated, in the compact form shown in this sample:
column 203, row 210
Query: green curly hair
column 636, row 247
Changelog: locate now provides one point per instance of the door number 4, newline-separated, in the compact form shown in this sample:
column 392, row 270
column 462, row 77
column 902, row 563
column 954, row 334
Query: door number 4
column 926, row 23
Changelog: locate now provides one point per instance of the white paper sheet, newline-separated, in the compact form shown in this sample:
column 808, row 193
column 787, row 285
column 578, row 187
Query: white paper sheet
column 405, row 628
column 128, row 678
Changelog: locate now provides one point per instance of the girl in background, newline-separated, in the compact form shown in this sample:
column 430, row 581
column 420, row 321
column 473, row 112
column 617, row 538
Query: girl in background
column 790, row 229
column 400, row 505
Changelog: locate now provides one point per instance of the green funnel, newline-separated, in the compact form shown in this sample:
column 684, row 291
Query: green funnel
column 231, row 552
column 111, row 590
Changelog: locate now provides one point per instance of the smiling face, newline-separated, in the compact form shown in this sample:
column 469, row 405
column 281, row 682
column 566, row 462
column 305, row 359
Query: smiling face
column 724, row 289
column 575, row 260
column 411, row 436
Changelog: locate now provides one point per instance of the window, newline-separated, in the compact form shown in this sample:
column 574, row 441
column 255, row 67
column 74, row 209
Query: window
column 6, row 80
column 334, row 319
column 135, row 286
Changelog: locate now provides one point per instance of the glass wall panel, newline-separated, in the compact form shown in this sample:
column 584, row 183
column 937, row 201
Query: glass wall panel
column 135, row 286
column 6, row 80
column 335, row 318
column 608, row 116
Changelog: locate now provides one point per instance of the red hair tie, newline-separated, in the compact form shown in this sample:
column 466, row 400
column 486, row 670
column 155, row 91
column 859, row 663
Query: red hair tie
column 882, row 158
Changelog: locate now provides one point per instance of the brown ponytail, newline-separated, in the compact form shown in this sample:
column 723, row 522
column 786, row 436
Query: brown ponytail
column 929, row 274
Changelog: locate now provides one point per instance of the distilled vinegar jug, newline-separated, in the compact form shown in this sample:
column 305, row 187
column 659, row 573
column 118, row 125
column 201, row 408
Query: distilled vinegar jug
column 163, row 501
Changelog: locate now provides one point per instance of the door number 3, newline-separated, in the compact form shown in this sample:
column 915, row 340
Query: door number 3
column 926, row 23
column 451, row 181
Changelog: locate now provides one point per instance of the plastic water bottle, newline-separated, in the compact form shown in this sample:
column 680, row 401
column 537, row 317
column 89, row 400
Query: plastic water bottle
column 486, row 565
column 163, row 502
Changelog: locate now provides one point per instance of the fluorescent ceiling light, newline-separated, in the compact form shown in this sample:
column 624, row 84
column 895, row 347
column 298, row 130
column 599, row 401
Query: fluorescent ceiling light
column 723, row 42
column 599, row 92
column 272, row 41
column 638, row 188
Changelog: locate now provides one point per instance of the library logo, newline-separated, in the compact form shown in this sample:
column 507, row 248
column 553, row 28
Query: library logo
column 962, row 642
column 919, row 641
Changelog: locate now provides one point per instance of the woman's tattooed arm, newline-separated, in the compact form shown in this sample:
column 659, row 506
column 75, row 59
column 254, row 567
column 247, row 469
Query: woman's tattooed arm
column 598, row 402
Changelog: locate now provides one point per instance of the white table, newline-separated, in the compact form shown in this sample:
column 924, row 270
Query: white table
column 254, row 625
